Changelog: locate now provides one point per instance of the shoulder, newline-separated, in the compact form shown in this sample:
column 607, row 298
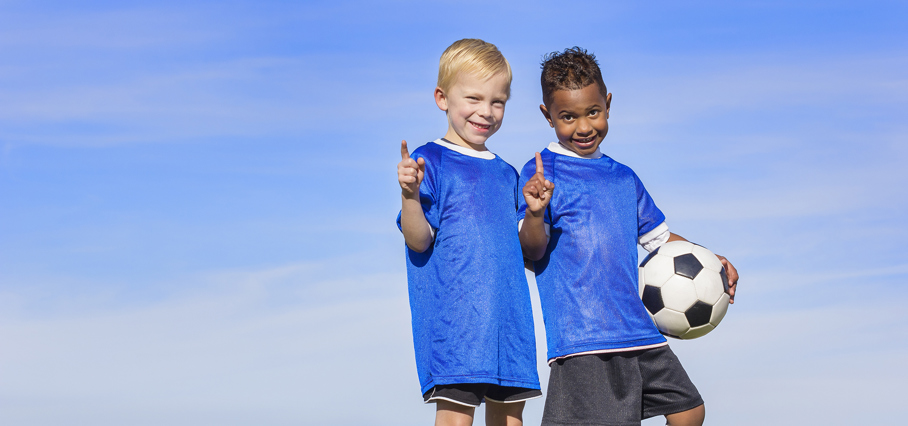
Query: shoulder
column 623, row 168
column 429, row 150
column 529, row 167
column 618, row 167
column 505, row 165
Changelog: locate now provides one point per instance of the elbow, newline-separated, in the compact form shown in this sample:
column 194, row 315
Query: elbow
column 418, row 246
column 418, row 249
column 533, row 254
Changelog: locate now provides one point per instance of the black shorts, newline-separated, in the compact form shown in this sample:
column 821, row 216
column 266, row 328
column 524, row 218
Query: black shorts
column 472, row 394
column 619, row 388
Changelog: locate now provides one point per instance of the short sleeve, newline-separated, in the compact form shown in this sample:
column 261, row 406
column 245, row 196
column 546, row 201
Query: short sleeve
column 648, row 215
column 428, row 194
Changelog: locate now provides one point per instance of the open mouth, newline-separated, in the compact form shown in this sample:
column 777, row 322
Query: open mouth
column 481, row 127
column 584, row 142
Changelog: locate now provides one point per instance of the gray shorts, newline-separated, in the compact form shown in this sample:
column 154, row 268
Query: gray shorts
column 620, row 388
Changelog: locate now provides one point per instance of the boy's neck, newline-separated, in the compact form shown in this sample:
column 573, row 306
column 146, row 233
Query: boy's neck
column 485, row 155
column 454, row 138
column 558, row 148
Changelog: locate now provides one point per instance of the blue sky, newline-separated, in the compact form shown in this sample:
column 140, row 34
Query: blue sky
column 197, row 199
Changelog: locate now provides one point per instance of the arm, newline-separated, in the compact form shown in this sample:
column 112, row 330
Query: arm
column 675, row 237
column 538, row 193
column 730, row 270
column 413, row 224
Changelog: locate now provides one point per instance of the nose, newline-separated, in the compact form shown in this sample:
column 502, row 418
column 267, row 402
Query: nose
column 584, row 127
column 485, row 109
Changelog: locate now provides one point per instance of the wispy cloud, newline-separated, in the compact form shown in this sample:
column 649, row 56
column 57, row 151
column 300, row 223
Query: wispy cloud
column 228, row 343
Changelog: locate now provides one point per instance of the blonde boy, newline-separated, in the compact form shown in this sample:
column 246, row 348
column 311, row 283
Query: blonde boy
column 470, row 303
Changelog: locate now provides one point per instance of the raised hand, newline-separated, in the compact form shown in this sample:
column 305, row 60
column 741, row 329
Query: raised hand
column 409, row 172
column 538, row 191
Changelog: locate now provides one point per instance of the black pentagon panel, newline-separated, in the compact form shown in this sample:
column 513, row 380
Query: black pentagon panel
column 648, row 257
column 652, row 299
column 687, row 265
column 724, row 278
column 699, row 314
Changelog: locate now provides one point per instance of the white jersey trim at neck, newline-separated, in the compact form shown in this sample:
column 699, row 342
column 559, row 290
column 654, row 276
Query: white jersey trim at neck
column 485, row 155
column 558, row 148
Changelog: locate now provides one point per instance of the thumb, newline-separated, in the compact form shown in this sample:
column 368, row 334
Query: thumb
column 404, row 152
column 421, row 162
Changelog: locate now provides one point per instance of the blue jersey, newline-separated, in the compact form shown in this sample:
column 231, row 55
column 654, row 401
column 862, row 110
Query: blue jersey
column 469, row 297
column 587, row 278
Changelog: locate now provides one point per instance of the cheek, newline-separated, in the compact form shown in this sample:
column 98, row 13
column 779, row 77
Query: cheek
column 563, row 132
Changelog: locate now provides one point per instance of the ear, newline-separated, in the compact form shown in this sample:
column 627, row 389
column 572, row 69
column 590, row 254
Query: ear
column 608, row 104
column 545, row 112
column 440, row 99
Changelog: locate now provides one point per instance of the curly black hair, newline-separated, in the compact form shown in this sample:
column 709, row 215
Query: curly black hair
column 572, row 69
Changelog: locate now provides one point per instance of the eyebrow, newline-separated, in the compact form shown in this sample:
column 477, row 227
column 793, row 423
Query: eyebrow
column 591, row 107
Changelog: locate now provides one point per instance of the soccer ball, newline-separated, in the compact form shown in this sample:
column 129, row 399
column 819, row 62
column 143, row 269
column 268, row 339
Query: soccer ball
column 684, row 288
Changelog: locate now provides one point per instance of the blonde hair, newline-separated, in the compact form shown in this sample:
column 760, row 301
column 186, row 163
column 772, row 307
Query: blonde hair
column 473, row 56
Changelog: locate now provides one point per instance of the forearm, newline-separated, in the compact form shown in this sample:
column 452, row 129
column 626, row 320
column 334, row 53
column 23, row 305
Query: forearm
column 675, row 237
column 413, row 224
column 533, row 240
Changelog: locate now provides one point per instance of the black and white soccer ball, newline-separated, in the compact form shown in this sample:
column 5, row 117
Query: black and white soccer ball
column 685, row 289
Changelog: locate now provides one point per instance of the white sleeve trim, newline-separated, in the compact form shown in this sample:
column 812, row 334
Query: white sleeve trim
column 655, row 238
column 546, row 226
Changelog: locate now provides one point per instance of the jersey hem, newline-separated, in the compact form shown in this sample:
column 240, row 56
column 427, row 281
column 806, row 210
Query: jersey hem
column 603, row 347
column 609, row 351
column 453, row 380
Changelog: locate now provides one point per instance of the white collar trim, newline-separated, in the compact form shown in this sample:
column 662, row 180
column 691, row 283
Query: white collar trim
column 557, row 148
column 485, row 155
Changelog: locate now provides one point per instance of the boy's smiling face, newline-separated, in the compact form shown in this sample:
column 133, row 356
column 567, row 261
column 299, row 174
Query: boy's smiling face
column 580, row 117
column 475, row 108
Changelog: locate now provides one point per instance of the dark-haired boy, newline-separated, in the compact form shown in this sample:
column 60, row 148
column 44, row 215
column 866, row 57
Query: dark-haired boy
column 583, row 216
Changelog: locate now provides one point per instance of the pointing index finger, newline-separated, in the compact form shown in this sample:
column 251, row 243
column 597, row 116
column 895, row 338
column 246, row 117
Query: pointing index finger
column 539, row 168
column 404, row 152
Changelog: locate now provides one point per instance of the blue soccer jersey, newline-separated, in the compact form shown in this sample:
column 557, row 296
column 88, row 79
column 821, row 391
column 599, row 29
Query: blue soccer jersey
column 587, row 278
column 469, row 298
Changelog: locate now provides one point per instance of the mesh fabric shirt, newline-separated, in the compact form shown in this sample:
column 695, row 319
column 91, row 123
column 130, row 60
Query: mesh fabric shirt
column 587, row 278
column 469, row 298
